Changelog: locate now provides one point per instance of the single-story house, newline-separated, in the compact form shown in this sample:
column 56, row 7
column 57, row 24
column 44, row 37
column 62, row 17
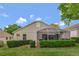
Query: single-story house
column 5, row 36
column 38, row 30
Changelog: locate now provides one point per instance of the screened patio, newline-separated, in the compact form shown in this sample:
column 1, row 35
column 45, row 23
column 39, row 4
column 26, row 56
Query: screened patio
column 49, row 34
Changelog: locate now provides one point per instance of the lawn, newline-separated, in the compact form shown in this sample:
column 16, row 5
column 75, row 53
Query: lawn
column 68, row 51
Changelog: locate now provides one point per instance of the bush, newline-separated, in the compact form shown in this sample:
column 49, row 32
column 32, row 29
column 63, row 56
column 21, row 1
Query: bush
column 65, row 39
column 57, row 43
column 76, row 39
column 32, row 44
column 19, row 43
column 1, row 43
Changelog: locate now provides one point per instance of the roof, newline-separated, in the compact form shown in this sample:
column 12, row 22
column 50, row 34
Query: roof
column 4, row 34
column 76, row 26
column 30, row 24
column 50, row 29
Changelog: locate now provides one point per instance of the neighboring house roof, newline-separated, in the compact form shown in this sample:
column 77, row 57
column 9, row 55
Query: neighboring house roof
column 76, row 26
column 31, row 24
column 4, row 34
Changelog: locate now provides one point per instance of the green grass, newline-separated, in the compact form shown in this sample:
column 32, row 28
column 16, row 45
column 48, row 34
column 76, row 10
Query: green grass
column 68, row 51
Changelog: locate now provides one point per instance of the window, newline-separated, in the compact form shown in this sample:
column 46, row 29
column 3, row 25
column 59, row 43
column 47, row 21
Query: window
column 57, row 36
column 6, row 38
column 24, row 36
column 44, row 36
column 10, row 37
column 18, row 34
column 51, row 37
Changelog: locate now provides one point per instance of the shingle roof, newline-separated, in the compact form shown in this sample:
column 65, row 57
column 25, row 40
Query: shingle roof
column 4, row 34
column 30, row 24
column 76, row 26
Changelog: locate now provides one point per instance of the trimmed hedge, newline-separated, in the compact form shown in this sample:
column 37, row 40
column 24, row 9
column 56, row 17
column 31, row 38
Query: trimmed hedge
column 56, row 43
column 20, row 43
column 1, row 44
column 76, row 39
column 32, row 44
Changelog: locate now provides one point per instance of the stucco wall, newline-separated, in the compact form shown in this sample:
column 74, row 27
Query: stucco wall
column 77, row 33
column 65, row 35
column 4, row 35
column 74, row 33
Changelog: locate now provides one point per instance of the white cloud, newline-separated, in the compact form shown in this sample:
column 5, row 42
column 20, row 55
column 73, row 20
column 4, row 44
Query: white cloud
column 60, row 23
column 31, row 16
column 38, row 19
column 21, row 20
column 4, row 15
column 1, row 7
column 7, row 26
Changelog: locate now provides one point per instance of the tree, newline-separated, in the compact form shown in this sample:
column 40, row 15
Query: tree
column 69, row 12
column 11, row 28
column 55, row 26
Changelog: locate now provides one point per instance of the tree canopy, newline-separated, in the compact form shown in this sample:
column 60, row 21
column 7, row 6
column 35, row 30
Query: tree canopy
column 69, row 12
column 55, row 26
column 11, row 28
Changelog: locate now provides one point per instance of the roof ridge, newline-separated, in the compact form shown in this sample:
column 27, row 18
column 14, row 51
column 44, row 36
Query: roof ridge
column 29, row 24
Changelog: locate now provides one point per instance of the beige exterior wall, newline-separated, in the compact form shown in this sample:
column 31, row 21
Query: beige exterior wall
column 65, row 35
column 30, row 31
column 71, row 33
column 4, row 35
column 77, row 33
column 74, row 33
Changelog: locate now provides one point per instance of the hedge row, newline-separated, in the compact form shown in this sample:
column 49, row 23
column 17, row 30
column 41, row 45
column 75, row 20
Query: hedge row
column 56, row 43
column 76, row 39
column 1, row 44
column 20, row 43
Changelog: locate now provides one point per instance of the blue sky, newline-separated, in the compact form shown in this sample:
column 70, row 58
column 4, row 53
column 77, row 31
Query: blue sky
column 23, row 14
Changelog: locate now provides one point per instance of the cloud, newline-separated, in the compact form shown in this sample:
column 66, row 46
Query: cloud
column 4, row 15
column 1, row 7
column 38, row 19
column 7, row 26
column 31, row 16
column 21, row 21
column 60, row 23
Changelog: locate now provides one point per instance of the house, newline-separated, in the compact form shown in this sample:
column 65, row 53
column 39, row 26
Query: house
column 5, row 36
column 73, row 31
column 38, row 30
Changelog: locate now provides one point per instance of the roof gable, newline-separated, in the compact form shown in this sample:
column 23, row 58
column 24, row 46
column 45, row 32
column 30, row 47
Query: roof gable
column 31, row 24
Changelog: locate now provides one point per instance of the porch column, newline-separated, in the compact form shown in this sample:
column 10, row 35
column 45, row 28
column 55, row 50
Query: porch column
column 47, row 37
column 38, row 42
column 59, row 36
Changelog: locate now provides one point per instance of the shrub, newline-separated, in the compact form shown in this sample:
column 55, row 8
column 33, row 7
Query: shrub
column 76, row 39
column 1, row 43
column 57, row 43
column 19, row 43
column 65, row 39
column 32, row 44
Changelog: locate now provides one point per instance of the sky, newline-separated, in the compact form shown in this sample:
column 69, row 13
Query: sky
column 24, row 14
